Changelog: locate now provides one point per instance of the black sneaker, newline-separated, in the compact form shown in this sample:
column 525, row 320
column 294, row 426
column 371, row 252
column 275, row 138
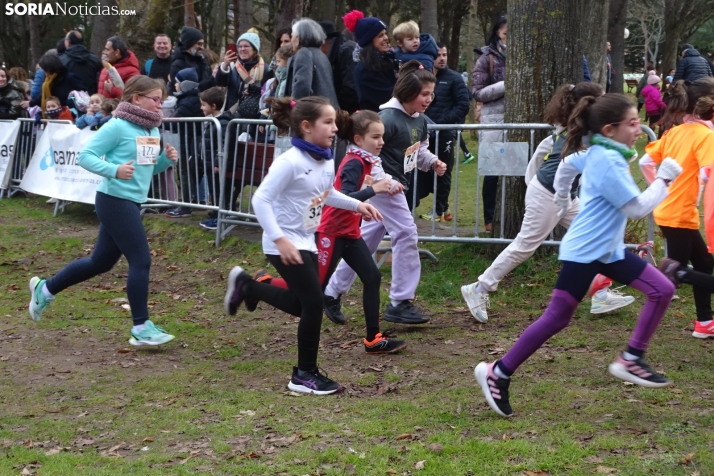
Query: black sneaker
column 234, row 295
column 179, row 212
column 312, row 381
column 637, row 371
column 383, row 344
column 260, row 276
column 333, row 310
column 494, row 388
column 404, row 313
column 670, row 268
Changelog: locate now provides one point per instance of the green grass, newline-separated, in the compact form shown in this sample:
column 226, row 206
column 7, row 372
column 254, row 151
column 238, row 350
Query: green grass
column 74, row 401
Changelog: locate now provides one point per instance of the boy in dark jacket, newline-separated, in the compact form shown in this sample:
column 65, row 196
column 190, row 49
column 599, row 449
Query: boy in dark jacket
column 415, row 46
column 211, row 102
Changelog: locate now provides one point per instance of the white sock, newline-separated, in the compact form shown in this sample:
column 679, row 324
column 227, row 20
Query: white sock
column 395, row 303
column 480, row 289
column 330, row 291
column 601, row 293
column 46, row 291
column 628, row 356
column 138, row 328
column 705, row 323
column 499, row 373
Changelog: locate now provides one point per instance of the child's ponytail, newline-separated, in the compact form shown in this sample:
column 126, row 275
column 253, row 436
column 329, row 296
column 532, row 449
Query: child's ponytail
column 358, row 124
column 566, row 98
column 579, row 124
column 592, row 114
column 288, row 114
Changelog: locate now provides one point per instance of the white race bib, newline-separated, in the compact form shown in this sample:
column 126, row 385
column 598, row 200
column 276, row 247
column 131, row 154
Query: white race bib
column 410, row 157
column 312, row 214
column 147, row 150
column 368, row 182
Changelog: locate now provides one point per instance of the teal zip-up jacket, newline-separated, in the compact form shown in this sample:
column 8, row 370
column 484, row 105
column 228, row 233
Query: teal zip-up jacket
column 116, row 141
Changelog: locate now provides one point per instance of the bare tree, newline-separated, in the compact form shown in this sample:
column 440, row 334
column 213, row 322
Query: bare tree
column 593, row 39
column 616, row 36
column 681, row 20
column 648, row 15
column 35, row 52
column 286, row 12
column 429, row 17
column 245, row 16
column 103, row 26
column 538, row 62
column 487, row 11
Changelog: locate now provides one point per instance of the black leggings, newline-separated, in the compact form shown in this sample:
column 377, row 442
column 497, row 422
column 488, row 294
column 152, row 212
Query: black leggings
column 302, row 299
column 121, row 232
column 357, row 256
column 687, row 246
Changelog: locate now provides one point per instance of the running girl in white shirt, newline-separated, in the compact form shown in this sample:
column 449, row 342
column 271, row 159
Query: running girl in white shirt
column 288, row 205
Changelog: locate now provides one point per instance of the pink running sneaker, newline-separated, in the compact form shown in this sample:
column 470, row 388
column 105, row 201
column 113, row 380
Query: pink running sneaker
column 638, row 372
column 494, row 388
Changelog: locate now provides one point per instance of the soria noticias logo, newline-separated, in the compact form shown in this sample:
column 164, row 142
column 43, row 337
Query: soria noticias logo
column 57, row 8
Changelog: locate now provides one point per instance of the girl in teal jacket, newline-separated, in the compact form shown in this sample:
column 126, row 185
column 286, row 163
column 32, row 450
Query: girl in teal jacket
column 131, row 148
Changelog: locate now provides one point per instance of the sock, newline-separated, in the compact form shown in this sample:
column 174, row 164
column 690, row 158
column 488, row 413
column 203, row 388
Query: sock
column 395, row 303
column 632, row 353
column 499, row 371
column 480, row 289
column 138, row 328
column 46, row 291
column 330, row 291
column 601, row 293
column 705, row 323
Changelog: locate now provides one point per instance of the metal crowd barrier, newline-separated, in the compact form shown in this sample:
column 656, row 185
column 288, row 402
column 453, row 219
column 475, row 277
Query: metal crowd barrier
column 189, row 183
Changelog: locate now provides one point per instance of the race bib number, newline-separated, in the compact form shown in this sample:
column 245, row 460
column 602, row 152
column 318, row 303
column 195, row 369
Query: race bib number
column 147, row 150
column 410, row 157
column 368, row 181
column 312, row 214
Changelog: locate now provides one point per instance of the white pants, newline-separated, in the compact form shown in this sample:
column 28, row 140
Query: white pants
column 540, row 219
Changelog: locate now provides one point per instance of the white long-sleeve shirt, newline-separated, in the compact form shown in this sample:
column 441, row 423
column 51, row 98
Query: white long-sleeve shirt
column 294, row 179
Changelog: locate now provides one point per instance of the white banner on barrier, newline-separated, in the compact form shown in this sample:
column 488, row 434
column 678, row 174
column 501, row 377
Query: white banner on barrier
column 53, row 170
column 8, row 139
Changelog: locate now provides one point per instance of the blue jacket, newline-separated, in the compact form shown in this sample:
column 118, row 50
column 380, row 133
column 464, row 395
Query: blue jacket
column 692, row 67
column 375, row 88
column 87, row 120
column 116, row 141
column 426, row 54
column 36, row 91
column 452, row 98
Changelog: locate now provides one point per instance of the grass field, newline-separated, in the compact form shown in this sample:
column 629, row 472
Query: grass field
column 76, row 399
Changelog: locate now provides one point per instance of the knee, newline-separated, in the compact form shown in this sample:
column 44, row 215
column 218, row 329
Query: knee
column 406, row 236
column 372, row 278
column 141, row 264
column 664, row 291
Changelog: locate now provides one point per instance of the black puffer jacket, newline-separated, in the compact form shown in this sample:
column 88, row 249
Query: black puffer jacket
column 343, row 73
column 451, row 98
column 83, row 64
column 692, row 67
column 11, row 95
column 182, row 59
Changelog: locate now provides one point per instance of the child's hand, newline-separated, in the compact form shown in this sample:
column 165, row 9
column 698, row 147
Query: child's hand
column 108, row 85
column 125, row 171
column 397, row 187
column 288, row 253
column 171, row 153
column 368, row 212
column 383, row 186
column 439, row 168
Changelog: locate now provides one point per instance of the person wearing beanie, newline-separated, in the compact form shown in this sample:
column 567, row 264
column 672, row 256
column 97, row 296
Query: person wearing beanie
column 692, row 66
column 376, row 70
column 654, row 106
column 189, row 54
column 243, row 73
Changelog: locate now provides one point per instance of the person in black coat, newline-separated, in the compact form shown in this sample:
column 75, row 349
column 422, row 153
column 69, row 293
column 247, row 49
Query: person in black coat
column 81, row 62
column 692, row 66
column 60, row 81
column 450, row 106
column 339, row 51
column 376, row 71
column 188, row 54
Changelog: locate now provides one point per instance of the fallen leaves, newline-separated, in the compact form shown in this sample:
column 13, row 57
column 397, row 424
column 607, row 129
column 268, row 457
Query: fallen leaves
column 404, row 436
column 436, row 447
column 419, row 465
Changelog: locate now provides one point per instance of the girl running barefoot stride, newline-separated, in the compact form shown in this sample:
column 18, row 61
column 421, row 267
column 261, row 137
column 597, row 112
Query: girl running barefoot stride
column 595, row 243
column 131, row 147
column 288, row 205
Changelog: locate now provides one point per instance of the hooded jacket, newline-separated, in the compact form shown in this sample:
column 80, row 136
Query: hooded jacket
column 692, row 67
column 425, row 54
column 182, row 59
column 187, row 102
column 451, row 98
column 85, row 65
column 126, row 67
column 490, row 89
column 11, row 95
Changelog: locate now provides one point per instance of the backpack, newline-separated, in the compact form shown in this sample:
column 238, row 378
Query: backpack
column 80, row 100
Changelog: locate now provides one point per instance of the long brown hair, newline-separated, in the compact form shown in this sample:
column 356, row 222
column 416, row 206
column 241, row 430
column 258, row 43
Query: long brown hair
column 684, row 98
column 592, row 114
column 356, row 125
column 564, row 100
column 289, row 113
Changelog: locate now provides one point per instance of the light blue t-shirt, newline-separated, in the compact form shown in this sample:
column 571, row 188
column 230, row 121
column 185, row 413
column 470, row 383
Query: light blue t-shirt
column 598, row 231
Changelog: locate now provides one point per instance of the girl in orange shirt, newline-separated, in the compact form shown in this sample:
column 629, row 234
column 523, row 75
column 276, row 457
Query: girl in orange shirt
column 691, row 144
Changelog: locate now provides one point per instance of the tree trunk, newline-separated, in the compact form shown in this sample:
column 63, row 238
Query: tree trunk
column 189, row 14
column 673, row 29
column 103, row 26
column 616, row 36
column 594, row 39
column 429, row 22
column 287, row 11
column 322, row 10
column 543, row 53
column 245, row 16
column 35, row 52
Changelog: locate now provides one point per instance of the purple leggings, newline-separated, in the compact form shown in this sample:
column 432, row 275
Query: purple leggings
column 573, row 283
